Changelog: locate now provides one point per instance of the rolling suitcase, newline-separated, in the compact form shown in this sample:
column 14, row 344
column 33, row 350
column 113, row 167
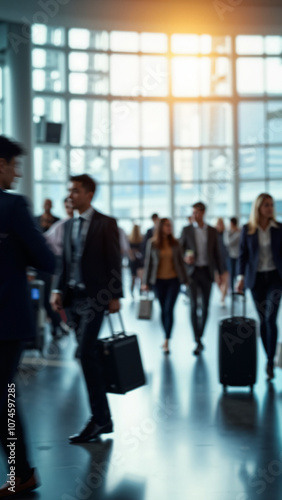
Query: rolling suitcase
column 36, row 290
column 237, row 349
column 121, row 361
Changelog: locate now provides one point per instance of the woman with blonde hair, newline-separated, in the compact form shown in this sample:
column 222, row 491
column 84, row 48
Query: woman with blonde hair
column 223, row 284
column 136, row 262
column 165, row 271
column 260, row 269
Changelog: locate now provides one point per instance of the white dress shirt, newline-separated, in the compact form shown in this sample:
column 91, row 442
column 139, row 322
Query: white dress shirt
column 87, row 216
column 55, row 236
column 266, row 262
column 201, row 237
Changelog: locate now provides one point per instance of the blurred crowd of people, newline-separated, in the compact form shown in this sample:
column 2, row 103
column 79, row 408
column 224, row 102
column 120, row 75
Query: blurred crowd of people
column 79, row 260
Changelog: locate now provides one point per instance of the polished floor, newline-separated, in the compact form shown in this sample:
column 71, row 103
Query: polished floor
column 176, row 438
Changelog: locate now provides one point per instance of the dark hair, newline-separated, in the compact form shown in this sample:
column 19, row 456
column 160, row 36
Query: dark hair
column 199, row 206
column 234, row 221
column 154, row 216
column 9, row 149
column 158, row 239
column 87, row 182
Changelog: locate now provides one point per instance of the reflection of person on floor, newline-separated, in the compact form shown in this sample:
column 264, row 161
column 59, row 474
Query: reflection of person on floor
column 201, row 254
column 260, row 269
column 21, row 245
column 89, row 283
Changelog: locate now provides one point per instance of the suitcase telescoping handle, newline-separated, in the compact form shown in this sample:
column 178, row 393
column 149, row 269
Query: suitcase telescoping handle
column 111, row 324
column 236, row 294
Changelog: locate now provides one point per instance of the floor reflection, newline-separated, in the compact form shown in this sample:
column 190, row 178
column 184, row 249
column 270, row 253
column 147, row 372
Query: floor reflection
column 93, row 484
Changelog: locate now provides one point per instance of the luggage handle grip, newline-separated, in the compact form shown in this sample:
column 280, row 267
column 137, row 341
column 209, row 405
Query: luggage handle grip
column 236, row 294
column 111, row 324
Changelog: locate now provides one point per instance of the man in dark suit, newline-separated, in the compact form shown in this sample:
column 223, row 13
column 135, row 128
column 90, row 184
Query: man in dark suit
column 89, row 283
column 150, row 233
column 21, row 245
column 201, row 254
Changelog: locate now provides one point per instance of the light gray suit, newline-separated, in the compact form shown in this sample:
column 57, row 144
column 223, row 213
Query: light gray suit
column 201, row 278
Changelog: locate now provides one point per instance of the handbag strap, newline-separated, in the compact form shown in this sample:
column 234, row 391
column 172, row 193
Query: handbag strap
column 113, row 334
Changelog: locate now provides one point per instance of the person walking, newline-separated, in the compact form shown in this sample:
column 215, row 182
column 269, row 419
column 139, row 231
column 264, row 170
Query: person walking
column 136, row 261
column 260, row 269
column 89, row 283
column 233, row 243
column 21, row 245
column 223, row 286
column 201, row 253
column 165, row 271
column 47, row 219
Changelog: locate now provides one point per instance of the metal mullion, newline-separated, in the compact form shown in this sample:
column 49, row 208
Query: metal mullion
column 67, row 111
column 45, row 181
column 141, row 149
column 110, row 149
column 171, row 138
column 236, row 180
column 49, row 47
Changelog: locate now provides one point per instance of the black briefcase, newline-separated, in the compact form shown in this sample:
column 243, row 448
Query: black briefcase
column 121, row 361
column 237, row 349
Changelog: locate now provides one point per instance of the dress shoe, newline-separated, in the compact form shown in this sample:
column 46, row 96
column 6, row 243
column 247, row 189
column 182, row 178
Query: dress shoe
column 21, row 486
column 201, row 345
column 92, row 431
column 198, row 349
column 269, row 371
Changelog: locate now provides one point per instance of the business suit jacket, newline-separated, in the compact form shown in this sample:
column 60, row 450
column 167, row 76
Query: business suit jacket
column 149, row 234
column 188, row 242
column 21, row 245
column 249, row 253
column 100, row 261
column 152, row 260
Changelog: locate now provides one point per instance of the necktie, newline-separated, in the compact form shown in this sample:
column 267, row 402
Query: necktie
column 78, row 252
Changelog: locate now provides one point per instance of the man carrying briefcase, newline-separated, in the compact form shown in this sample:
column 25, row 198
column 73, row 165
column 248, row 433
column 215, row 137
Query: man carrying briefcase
column 89, row 283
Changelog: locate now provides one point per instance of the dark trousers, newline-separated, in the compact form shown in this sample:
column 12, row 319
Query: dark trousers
column 167, row 291
column 232, row 270
column 200, row 283
column 53, row 315
column 87, row 321
column 10, row 353
column 267, row 295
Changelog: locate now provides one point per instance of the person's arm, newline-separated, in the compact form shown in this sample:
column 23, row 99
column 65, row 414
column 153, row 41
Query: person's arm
column 147, row 265
column 182, row 241
column 181, row 265
column 31, row 241
column 217, row 255
column 113, row 260
column 242, row 260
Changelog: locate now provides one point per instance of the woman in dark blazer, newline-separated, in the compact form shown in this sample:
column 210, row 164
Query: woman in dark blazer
column 164, row 270
column 260, row 269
